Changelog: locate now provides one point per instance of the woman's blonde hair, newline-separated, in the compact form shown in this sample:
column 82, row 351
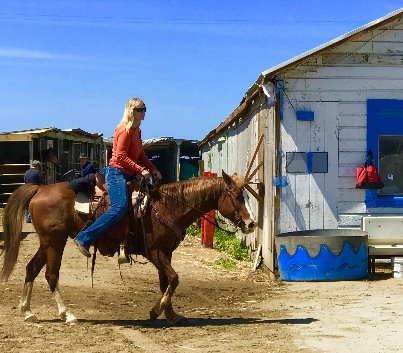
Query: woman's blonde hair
column 127, row 119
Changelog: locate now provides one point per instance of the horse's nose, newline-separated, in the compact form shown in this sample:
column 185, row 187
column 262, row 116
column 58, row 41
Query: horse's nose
column 251, row 225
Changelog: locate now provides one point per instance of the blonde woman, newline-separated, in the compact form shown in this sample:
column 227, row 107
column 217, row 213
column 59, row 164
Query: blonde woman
column 128, row 159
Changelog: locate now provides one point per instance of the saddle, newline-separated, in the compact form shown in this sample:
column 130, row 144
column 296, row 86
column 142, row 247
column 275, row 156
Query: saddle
column 95, row 201
column 91, row 188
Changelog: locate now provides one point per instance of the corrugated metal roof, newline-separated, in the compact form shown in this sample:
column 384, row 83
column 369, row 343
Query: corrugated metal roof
column 265, row 76
column 30, row 131
column 82, row 132
column 165, row 141
column 39, row 131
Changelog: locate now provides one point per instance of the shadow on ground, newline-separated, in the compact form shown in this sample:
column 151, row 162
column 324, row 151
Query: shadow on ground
column 194, row 322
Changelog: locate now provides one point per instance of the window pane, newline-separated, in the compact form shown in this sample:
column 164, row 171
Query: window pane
column 296, row 162
column 391, row 164
column 319, row 162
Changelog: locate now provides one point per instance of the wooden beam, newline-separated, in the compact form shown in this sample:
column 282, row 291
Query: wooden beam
column 253, row 192
column 254, row 156
column 249, row 178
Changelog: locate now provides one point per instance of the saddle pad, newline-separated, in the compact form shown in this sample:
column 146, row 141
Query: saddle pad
column 82, row 203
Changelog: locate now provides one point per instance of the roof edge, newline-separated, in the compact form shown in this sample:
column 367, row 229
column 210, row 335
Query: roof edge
column 332, row 43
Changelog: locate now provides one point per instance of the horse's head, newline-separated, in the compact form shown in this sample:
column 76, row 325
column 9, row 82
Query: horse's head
column 233, row 203
column 49, row 155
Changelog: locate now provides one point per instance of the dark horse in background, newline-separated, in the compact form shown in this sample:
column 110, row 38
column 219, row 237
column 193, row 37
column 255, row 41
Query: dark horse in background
column 49, row 155
column 172, row 209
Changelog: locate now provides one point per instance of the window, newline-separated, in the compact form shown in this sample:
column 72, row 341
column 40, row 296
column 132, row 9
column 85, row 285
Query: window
column 391, row 164
column 306, row 162
column 385, row 140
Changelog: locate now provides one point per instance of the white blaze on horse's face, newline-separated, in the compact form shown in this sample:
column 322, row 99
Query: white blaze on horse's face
column 249, row 223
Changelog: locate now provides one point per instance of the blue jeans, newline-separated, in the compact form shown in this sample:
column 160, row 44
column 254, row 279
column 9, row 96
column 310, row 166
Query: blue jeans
column 116, row 181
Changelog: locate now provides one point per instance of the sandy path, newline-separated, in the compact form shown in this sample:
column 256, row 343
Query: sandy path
column 229, row 311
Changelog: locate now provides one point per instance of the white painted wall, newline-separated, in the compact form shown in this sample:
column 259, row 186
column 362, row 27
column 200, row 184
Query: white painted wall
column 336, row 86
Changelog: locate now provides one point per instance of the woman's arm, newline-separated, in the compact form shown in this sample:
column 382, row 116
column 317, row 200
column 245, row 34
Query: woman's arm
column 122, row 148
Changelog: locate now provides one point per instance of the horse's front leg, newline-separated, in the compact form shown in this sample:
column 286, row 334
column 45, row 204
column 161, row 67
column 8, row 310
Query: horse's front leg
column 64, row 313
column 169, row 280
column 53, row 263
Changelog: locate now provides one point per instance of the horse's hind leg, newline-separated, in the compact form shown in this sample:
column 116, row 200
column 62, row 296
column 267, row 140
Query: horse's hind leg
column 32, row 270
column 53, row 263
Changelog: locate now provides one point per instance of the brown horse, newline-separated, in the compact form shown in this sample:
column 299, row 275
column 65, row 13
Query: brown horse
column 172, row 209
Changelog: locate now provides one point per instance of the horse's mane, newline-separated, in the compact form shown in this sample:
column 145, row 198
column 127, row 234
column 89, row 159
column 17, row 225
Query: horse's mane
column 192, row 192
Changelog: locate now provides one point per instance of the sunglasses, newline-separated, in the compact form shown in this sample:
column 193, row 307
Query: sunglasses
column 140, row 110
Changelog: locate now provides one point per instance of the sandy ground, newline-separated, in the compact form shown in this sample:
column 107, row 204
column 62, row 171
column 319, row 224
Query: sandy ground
column 229, row 311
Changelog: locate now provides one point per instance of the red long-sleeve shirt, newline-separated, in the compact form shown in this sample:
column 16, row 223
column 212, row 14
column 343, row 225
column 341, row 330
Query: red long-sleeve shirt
column 128, row 153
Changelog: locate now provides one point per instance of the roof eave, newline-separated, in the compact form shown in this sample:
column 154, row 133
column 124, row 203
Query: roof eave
column 275, row 70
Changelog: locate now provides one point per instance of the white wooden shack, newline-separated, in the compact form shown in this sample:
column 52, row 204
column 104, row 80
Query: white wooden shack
column 319, row 114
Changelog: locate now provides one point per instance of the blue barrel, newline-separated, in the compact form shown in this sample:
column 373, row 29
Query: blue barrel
column 322, row 255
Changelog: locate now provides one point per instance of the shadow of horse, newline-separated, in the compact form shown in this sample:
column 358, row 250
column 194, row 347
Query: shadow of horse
column 195, row 322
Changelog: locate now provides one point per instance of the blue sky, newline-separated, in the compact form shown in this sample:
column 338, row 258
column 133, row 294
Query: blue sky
column 74, row 63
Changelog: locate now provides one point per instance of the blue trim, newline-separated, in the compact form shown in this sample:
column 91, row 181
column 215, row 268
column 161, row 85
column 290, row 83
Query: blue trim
column 309, row 158
column 305, row 115
column 280, row 90
column 384, row 117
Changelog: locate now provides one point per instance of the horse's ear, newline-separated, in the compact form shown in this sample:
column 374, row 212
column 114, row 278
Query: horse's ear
column 227, row 178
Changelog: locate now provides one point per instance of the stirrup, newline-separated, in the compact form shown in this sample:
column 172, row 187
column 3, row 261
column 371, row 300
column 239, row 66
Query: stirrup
column 122, row 258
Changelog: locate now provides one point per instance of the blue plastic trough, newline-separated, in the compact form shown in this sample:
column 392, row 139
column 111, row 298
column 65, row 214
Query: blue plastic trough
column 322, row 255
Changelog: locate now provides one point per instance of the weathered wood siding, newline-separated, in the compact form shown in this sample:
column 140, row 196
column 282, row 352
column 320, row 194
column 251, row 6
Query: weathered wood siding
column 232, row 150
column 336, row 86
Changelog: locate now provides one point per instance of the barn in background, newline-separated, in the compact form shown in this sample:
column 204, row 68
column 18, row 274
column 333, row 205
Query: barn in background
column 319, row 113
column 176, row 159
column 19, row 148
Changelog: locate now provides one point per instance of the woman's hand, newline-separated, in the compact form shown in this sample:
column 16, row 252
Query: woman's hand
column 146, row 174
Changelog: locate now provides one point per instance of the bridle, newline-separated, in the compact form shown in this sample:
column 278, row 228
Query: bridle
column 238, row 217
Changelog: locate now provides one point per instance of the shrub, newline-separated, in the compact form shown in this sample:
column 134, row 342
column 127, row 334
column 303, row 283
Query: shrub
column 223, row 241
column 230, row 244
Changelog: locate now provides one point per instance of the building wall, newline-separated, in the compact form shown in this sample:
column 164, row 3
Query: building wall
column 335, row 86
column 232, row 151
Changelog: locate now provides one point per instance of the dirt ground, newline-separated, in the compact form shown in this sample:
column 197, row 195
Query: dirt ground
column 229, row 311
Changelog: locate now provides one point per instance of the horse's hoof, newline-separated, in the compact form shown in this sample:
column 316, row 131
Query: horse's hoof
column 69, row 319
column 31, row 318
column 153, row 315
column 72, row 322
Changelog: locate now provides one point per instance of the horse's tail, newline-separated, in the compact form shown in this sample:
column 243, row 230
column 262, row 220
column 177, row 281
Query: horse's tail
column 13, row 216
